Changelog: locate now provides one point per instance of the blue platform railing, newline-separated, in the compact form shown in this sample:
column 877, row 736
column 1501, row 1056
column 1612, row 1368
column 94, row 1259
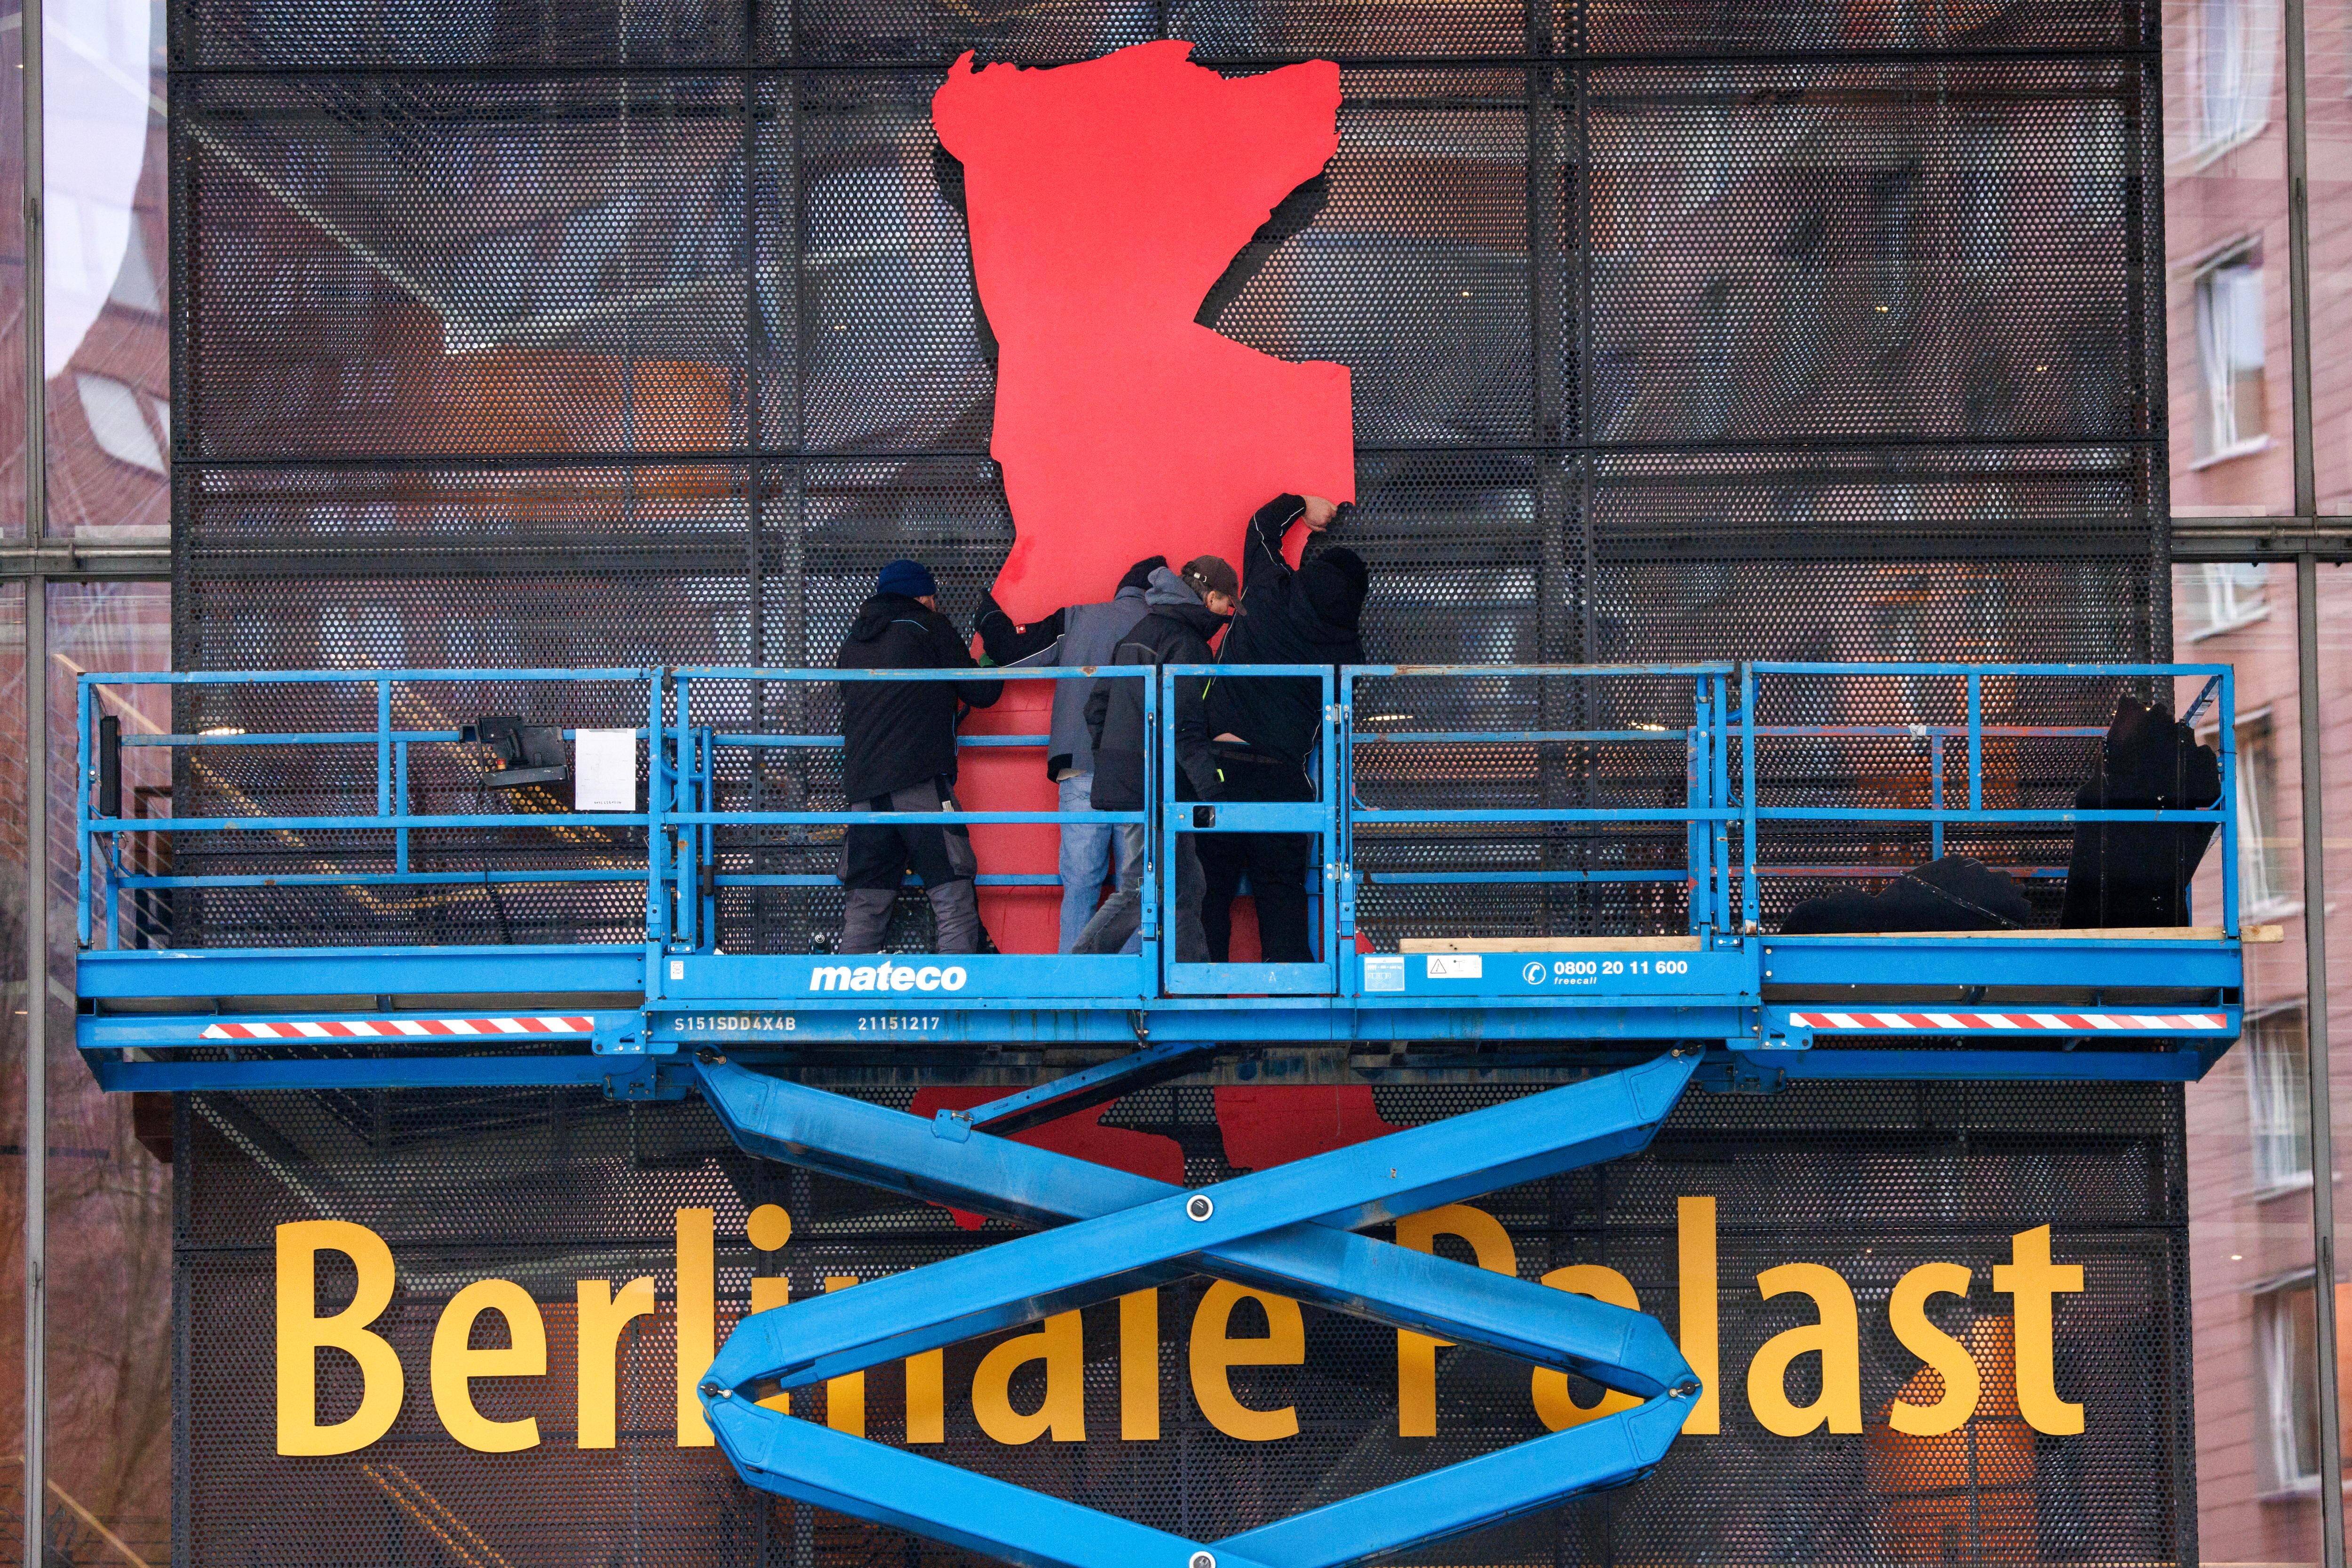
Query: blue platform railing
column 698, row 750
column 1478, row 804
column 1723, row 817
column 103, row 878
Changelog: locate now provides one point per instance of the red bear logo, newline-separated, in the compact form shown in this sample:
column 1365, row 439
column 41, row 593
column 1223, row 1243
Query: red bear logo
column 1104, row 199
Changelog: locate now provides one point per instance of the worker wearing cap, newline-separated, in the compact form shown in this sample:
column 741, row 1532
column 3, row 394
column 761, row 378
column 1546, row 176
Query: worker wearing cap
column 1265, row 728
column 1182, row 612
column 898, row 754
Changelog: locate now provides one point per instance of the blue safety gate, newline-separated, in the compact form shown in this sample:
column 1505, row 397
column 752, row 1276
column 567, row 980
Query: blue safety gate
column 1699, row 792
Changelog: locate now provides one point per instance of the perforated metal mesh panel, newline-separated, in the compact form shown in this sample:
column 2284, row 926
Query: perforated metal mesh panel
column 1870, row 1181
column 623, row 334
column 606, row 334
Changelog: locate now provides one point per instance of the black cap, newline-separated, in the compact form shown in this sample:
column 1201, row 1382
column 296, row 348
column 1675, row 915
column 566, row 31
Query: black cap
column 1209, row 573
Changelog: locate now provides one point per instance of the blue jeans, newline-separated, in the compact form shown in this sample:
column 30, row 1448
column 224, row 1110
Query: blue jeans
column 1088, row 854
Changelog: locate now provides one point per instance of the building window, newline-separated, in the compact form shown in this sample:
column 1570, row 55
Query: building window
column 2278, row 1095
column 2260, row 885
column 2287, row 1346
column 2236, row 41
column 2229, row 356
column 116, row 424
column 2222, row 597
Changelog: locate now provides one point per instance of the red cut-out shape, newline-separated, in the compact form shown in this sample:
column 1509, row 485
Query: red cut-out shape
column 1273, row 1125
column 1008, row 778
column 1104, row 199
column 1081, row 1135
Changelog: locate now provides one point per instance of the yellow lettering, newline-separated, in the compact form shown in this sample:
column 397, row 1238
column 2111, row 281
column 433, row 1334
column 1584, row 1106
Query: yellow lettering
column 1416, row 1353
column 927, row 1421
column 1139, row 1366
column 301, row 1334
column 1556, row 1406
column 1060, row 1342
column 1696, row 1271
column 698, row 1318
column 1214, row 1350
column 2031, row 1278
column 770, row 1291
column 768, row 1228
column 456, row 1363
column 844, row 1396
column 1907, row 1311
column 1838, row 1339
column 601, row 1318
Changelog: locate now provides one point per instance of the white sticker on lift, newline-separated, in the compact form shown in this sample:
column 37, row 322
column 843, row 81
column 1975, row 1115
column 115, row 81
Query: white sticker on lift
column 1383, row 972
column 1455, row 966
column 678, row 968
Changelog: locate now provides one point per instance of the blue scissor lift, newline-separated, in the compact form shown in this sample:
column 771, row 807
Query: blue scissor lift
column 1439, row 787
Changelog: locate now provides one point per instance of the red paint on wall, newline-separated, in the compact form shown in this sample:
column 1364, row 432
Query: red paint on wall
column 1265, row 1127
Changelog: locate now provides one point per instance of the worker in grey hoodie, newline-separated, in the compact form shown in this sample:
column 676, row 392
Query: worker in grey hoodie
column 1187, row 609
column 1076, row 636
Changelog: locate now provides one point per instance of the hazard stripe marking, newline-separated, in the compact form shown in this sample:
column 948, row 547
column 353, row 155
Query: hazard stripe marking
column 1968, row 1023
column 397, row 1028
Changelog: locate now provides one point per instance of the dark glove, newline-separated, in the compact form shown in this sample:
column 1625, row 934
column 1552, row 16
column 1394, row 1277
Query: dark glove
column 994, row 629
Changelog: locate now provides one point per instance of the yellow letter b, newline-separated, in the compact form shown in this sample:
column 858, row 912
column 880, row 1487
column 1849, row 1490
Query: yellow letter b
column 301, row 1333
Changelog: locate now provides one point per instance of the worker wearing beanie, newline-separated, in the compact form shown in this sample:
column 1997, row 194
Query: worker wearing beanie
column 1265, row 728
column 898, row 754
column 1076, row 636
column 1186, row 609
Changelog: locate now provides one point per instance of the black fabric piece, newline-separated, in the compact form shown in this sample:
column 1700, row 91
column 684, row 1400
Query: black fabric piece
column 880, row 856
column 1140, row 574
column 1954, row 893
column 1276, row 864
column 895, row 734
column 2137, row 874
column 1335, row 583
column 1175, row 631
column 1279, row 717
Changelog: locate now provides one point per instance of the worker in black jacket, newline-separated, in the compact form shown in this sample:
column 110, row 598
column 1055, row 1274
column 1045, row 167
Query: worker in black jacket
column 1184, row 610
column 898, row 754
column 1265, row 728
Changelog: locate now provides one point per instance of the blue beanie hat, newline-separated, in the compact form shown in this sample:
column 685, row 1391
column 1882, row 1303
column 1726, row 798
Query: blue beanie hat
column 908, row 579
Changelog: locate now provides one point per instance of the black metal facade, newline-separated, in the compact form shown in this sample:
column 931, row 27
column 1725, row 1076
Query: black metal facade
column 1868, row 1180
column 569, row 335
column 641, row 332
column 546, row 335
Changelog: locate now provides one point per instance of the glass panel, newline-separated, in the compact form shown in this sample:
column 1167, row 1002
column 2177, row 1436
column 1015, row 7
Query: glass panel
column 108, row 342
column 2225, row 237
column 12, row 1006
column 2249, row 1121
column 110, row 1249
column 12, row 271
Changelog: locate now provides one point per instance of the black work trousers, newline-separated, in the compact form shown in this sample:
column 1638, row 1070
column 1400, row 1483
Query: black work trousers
column 874, row 862
column 1276, row 864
